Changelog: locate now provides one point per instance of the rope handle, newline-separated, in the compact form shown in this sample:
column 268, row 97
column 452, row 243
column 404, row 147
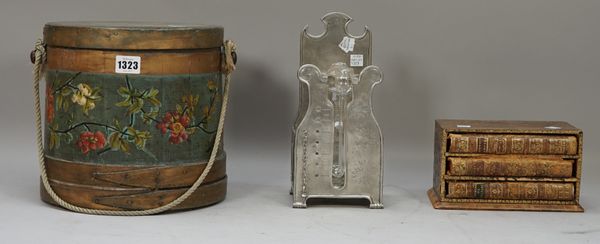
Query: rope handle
column 38, row 57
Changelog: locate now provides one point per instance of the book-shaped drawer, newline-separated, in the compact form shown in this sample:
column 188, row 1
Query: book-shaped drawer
column 512, row 144
column 511, row 166
column 507, row 165
column 511, row 190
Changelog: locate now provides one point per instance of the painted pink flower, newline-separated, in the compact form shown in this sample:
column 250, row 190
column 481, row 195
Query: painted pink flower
column 89, row 141
column 175, row 124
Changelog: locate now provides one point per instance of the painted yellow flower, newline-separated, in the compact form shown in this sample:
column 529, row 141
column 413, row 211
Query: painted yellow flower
column 81, row 94
column 190, row 102
column 85, row 96
column 211, row 85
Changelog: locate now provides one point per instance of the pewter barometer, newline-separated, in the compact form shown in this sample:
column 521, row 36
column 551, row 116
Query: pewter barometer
column 337, row 143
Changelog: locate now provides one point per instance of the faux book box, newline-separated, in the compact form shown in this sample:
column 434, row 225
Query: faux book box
column 507, row 165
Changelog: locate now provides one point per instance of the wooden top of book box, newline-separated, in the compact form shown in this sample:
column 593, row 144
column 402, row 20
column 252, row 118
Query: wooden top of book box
column 507, row 126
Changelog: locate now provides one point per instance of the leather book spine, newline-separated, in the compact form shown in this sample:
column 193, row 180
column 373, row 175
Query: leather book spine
column 511, row 190
column 513, row 144
column 510, row 166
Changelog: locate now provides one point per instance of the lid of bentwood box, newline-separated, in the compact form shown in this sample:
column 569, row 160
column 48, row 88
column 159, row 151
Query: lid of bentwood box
column 132, row 35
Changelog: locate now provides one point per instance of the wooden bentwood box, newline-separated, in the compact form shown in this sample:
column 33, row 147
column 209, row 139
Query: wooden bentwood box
column 507, row 165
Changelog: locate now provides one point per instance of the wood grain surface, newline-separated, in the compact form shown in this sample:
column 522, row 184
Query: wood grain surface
column 152, row 62
column 132, row 35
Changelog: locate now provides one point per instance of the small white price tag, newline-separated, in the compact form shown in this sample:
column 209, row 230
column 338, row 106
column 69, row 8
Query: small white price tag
column 128, row 64
column 347, row 44
column 356, row 60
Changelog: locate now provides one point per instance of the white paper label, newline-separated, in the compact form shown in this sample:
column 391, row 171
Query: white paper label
column 347, row 44
column 128, row 64
column 356, row 60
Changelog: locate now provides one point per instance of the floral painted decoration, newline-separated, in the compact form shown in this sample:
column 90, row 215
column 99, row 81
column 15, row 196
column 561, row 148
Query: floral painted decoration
column 81, row 94
column 84, row 96
column 181, row 123
column 89, row 141
column 178, row 124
